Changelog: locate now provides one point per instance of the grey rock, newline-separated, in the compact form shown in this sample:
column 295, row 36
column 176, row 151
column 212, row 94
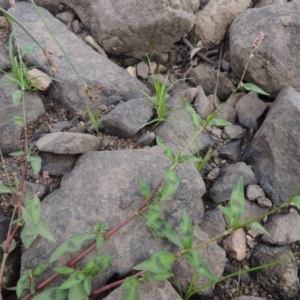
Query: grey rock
column 243, row 278
column 225, row 65
column 38, row 133
column 180, row 131
column 76, row 27
column 231, row 151
column 34, row 188
column 97, row 71
column 188, row 94
column 64, row 125
column 57, row 164
column 206, row 76
column 281, row 280
column 283, row 228
column 262, row 3
column 179, row 87
column 4, row 224
column 235, row 98
column 264, row 202
column 4, row 4
column 276, row 148
column 235, row 244
column 212, row 254
column 127, row 118
column 9, row 137
column 54, row 6
column 279, row 23
column 120, row 35
column 248, row 298
column 234, row 132
column 163, row 79
column 67, row 17
column 202, row 105
column 213, row 223
column 224, row 185
column 250, row 109
column 130, row 61
column 252, row 211
column 227, row 113
column 254, row 191
column 154, row 290
column 146, row 139
column 4, row 61
column 92, row 192
column 68, row 143
column 142, row 70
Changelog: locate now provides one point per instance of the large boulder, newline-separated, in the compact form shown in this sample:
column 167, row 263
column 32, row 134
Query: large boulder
column 274, row 152
column 138, row 27
column 108, row 82
column 275, row 63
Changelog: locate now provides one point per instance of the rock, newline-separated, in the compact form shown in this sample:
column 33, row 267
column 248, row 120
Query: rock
column 235, row 244
column 202, row 105
column 250, row 110
column 234, row 132
column 92, row 193
column 10, row 133
column 213, row 223
column 181, row 131
column 3, row 22
column 213, row 255
column 235, row 98
column 110, row 87
column 231, row 151
column 213, row 174
column 206, row 76
column 248, row 298
column 39, row 79
column 67, row 17
column 264, row 202
column 279, row 23
column 163, row 79
column 57, row 164
column 4, row 4
column 54, row 6
column 76, row 27
column 4, row 61
column 142, row 70
column 243, row 278
column 127, row 118
column 189, row 94
column 280, row 280
column 33, row 188
column 262, row 3
column 38, row 133
column 252, row 211
column 64, row 125
column 90, row 41
column 212, row 22
column 68, row 143
column 227, row 113
column 154, row 290
column 120, row 35
column 225, row 65
column 132, row 71
column 274, row 145
column 254, row 191
column 224, row 185
column 146, row 139
column 283, row 228
column 214, row 100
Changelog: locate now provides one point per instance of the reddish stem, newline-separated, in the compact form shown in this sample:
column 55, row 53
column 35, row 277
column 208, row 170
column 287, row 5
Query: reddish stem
column 72, row 262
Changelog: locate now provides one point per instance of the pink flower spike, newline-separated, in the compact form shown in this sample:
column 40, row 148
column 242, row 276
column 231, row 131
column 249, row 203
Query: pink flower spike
column 46, row 174
column 258, row 40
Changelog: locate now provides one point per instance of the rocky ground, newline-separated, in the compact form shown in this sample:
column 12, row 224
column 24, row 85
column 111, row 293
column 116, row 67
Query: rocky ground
column 203, row 47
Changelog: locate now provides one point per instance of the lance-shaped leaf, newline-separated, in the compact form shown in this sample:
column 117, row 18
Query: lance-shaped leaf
column 45, row 232
column 237, row 201
column 74, row 279
column 28, row 235
column 52, row 293
column 191, row 158
column 22, row 284
column 253, row 87
column 4, row 189
column 35, row 209
column 18, row 120
column 130, row 284
column 219, row 122
column 72, row 244
column 36, row 163
column 186, row 231
column 77, row 291
column 153, row 214
column 196, row 120
column 97, row 264
column 170, row 186
column 87, row 284
column 144, row 187
column 159, row 276
column 160, row 262
column 163, row 229
column 16, row 97
column 295, row 201
column 40, row 269
column 64, row 270
column 167, row 150
column 260, row 227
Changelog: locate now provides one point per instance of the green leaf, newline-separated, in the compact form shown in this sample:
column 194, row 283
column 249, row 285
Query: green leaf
column 28, row 235
column 196, row 120
column 21, row 284
column 39, row 269
column 153, row 214
column 12, row 246
column 163, row 229
column 44, row 231
column 53, row 293
column 87, row 284
column 28, row 219
column 36, row 209
column 253, row 87
column 130, row 282
column 160, row 276
column 167, row 150
column 97, row 264
column 144, row 187
column 219, row 122
column 260, row 227
column 27, row 49
column 296, row 201
column 131, row 294
column 186, row 231
column 74, row 279
column 18, row 120
column 171, row 184
column 160, row 262
column 226, row 211
column 17, row 153
column 205, row 271
column 4, row 189
column 191, row 158
column 93, row 120
column 77, row 292
column 16, row 97
column 99, row 240
column 36, row 163
column 64, row 270
column 72, row 244
column 160, row 143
